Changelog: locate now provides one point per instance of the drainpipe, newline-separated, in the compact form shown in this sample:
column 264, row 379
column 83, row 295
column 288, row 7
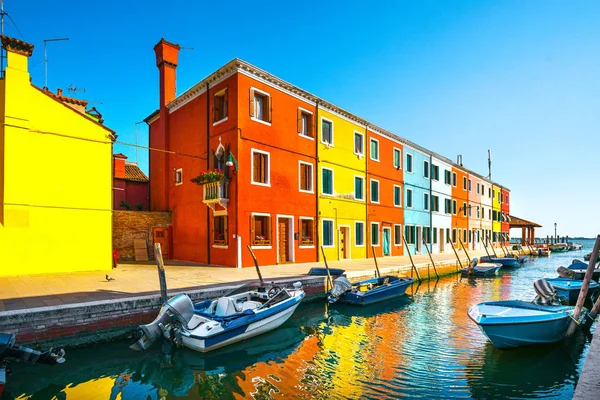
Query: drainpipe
column 316, row 226
column 208, row 167
column 367, row 242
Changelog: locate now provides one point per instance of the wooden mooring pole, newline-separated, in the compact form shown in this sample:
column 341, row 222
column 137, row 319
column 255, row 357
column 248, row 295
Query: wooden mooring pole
column 376, row 265
column 584, row 289
column 455, row 253
column 162, row 279
column 329, row 280
column 430, row 257
column 411, row 259
column 464, row 249
column 256, row 265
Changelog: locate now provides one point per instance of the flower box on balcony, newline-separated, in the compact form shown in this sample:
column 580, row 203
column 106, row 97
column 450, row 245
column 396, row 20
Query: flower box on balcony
column 219, row 242
column 262, row 242
column 307, row 241
column 208, row 177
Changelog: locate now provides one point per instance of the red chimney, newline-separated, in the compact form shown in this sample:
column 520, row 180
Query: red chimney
column 119, row 160
column 166, row 60
column 59, row 92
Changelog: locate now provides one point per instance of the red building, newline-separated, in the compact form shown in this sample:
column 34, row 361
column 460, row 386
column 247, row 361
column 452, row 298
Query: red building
column 246, row 138
column 505, row 209
column 130, row 185
column 385, row 173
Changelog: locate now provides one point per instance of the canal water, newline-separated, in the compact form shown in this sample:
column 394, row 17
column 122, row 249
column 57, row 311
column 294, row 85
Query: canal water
column 420, row 346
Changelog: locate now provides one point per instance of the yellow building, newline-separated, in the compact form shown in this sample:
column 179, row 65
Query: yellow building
column 496, row 210
column 55, row 177
column 342, row 185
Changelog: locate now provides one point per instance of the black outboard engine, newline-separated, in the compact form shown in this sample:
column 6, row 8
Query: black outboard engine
column 9, row 349
column 546, row 295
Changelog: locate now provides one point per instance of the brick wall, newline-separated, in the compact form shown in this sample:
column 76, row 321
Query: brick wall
column 129, row 225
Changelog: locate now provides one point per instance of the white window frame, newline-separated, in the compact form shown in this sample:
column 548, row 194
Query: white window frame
column 454, row 179
column 464, row 183
column 426, row 170
column 371, row 235
column 426, row 203
column 304, row 110
column 320, row 131
column 469, row 185
column 252, row 151
column 363, row 233
column 253, row 118
column 332, row 182
column 362, row 179
column 454, row 207
column 394, row 196
column 361, row 154
column 300, row 219
column 412, row 169
column 371, row 140
column 433, row 197
column 412, row 199
column 271, row 222
column 179, row 171
column 332, row 246
column 399, row 166
column 371, row 191
column 219, row 93
column 312, row 183
column 401, row 233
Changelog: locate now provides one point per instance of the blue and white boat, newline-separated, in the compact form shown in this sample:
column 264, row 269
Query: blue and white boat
column 368, row 291
column 481, row 269
column 568, row 289
column 579, row 269
column 248, row 311
column 508, row 262
column 515, row 323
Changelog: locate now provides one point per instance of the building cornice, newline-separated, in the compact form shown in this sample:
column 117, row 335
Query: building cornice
column 17, row 46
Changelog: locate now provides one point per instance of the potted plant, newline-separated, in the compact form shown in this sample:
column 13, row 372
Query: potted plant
column 208, row 176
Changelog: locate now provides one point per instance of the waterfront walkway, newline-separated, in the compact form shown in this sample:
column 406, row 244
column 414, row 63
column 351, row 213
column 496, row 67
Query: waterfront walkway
column 137, row 279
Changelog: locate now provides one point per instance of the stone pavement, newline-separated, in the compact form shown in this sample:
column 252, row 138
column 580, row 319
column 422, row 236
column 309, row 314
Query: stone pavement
column 137, row 279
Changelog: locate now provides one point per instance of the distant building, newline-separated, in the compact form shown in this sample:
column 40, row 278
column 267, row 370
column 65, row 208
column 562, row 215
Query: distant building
column 130, row 185
column 55, row 177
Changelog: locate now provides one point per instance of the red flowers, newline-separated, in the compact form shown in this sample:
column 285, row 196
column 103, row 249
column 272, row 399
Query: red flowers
column 208, row 176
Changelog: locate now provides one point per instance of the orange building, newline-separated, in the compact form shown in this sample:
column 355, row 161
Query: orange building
column 385, row 173
column 230, row 133
column 460, row 193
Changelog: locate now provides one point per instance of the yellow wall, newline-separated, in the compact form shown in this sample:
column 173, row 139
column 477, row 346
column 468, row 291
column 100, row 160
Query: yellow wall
column 496, row 206
column 345, row 164
column 57, row 191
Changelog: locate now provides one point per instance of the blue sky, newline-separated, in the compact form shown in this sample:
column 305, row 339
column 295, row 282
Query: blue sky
column 458, row 77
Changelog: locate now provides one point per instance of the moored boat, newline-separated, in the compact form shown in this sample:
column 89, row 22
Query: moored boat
column 515, row 323
column 508, row 262
column 248, row 311
column 568, row 289
column 368, row 291
column 589, row 255
column 575, row 246
column 559, row 247
column 579, row 268
column 544, row 252
column 481, row 269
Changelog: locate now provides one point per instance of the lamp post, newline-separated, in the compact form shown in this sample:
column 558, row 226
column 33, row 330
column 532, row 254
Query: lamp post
column 555, row 237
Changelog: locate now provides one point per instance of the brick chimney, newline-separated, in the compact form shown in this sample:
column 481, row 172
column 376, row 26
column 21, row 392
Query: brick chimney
column 167, row 55
column 119, row 161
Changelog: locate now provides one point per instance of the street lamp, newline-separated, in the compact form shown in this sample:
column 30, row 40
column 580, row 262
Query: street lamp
column 555, row 237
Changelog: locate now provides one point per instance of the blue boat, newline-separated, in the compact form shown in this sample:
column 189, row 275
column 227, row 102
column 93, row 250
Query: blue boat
column 368, row 291
column 579, row 269
column 568, row 289
column 515, row 323
column 508, row 262
column 323, row 271
column 483, row 269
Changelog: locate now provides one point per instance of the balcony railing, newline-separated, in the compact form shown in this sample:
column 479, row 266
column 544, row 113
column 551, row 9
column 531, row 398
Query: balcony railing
column 216, row 193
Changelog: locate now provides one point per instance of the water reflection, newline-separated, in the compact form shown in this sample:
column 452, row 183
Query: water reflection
column 421, row 345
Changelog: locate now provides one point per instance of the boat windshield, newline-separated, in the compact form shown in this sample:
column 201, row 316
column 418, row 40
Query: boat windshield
column 252, row 286
column 278, row 298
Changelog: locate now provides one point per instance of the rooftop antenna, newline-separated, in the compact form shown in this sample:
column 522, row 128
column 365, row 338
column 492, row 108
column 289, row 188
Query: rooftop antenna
column 46, row 59
column 74, row 89
column 490, row 164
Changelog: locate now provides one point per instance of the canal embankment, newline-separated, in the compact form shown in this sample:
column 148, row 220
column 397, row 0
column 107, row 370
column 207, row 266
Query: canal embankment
column 77, row 309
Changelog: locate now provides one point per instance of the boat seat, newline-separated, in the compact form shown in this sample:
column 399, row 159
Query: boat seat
column 250, row 305
column 194, row 322
column 225, row 307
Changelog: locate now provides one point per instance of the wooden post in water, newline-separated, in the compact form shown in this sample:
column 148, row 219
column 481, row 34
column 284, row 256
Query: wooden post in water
column 256, row 265
column 329, row 280
column 584, row 288
column 486, row 250
column 431, row 258
column 411, row 259
column 376, row 265
column 162, row 279
column 455, row 253
column 464, row 249
column 492, row 247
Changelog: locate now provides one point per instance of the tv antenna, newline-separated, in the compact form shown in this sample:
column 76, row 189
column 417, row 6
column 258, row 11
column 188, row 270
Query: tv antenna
column 74, row 89
column 46, row 59
column 490, row 164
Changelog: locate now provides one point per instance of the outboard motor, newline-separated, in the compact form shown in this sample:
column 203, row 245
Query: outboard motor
column 340, row 286
column 9, row 349
column 546, row 294
column 179, row 308
column 565, row 272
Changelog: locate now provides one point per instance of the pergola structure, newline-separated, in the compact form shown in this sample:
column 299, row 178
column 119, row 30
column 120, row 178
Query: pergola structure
column 528, row 229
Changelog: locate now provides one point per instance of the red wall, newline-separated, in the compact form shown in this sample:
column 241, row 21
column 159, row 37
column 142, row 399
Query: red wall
column 505, row 208
column 385, row 212
column 130, row 192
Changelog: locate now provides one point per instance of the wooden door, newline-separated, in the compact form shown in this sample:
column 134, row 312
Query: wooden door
column 161, row 235
column 284, row 240
column 343, row 247
column 442, row 240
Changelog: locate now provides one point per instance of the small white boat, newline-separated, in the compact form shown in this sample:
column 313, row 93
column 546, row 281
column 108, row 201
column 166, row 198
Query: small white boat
column 246, row 312
column 559, row 247
column 575, row 246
